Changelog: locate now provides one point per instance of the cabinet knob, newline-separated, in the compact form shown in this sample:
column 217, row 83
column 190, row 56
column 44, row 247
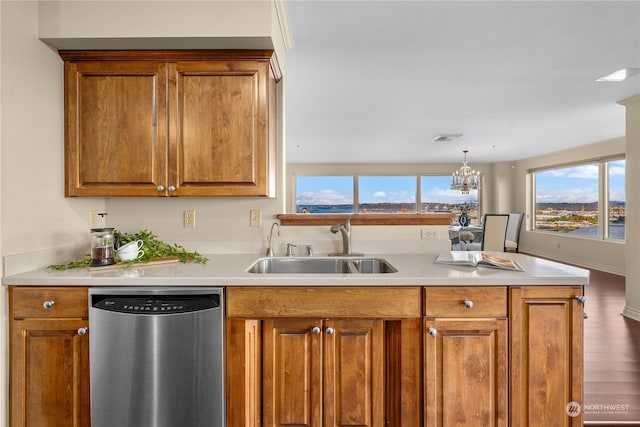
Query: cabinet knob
column 82, row 331
column 468, row 303
column 160, row 188
column 171, row 189
column 48, row 304
column 581, row 299
column 315, row 330
column 433, row 332
column 330, row 331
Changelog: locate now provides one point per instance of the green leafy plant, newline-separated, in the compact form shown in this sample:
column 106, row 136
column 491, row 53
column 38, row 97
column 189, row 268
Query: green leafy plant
column 153, row 250
column 84, row 262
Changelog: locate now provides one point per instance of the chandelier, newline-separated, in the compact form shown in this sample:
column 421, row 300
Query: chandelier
column 465, row 178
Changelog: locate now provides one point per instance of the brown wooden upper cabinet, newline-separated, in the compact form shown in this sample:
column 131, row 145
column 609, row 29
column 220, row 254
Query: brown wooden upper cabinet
column 170, row 123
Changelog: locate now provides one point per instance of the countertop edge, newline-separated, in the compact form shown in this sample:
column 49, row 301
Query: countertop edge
column 230, row 270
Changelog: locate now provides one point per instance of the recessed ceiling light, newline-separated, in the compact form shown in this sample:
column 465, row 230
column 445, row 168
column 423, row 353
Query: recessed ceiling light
column 446, row 137
column 619, row 75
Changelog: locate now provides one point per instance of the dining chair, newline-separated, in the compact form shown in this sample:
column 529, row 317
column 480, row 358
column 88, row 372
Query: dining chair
column 494, row 230
column 512, row 239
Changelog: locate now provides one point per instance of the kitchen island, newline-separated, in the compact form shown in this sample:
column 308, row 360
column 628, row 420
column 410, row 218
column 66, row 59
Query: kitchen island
column 427, row 345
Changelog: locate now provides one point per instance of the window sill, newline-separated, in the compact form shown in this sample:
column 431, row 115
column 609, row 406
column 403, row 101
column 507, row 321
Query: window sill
column 366, row 219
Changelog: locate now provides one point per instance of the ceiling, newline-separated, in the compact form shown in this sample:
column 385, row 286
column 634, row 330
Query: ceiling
column 376, row 81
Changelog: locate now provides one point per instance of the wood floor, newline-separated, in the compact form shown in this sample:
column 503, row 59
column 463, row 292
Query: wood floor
column 612, row 355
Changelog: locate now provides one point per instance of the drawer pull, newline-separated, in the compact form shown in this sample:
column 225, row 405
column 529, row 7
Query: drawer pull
column 48, row 304
column 468, row 303
column 82, row 331
column 433, row 332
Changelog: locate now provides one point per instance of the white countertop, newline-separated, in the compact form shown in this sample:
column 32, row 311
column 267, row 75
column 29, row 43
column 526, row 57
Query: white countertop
column 230, row 270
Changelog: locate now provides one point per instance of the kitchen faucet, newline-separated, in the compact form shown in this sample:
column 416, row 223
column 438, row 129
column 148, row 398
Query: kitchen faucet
column 346, row 237
column 270, row 239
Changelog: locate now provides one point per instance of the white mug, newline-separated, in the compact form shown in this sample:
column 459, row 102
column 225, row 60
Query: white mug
column 137, row 244
column 130, row 251
column 129, row 255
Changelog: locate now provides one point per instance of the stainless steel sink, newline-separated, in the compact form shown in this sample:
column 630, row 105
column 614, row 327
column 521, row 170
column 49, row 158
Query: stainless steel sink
column 314, row 265
column 373, row 266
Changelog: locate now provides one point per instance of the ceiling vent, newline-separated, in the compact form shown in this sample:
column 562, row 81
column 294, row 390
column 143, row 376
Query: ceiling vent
column 446, row 137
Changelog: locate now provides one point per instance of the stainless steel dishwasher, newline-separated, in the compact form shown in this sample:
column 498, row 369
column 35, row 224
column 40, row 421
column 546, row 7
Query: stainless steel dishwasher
column 156, row 357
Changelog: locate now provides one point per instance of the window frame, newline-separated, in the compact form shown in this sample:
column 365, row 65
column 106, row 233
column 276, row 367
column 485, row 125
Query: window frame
column 603, row 196
column 358, row 218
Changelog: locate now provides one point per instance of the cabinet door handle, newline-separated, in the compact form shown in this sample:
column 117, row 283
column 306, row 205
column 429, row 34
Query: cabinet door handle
column 83, row 331
column 433, row 332
column 581, row 299
column 468, row 303
column 48, row 304
column 171, row 189
column 330, row 331
column 160, row 188
column 315, row 330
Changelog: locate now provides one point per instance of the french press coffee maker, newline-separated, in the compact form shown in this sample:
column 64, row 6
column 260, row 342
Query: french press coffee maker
column 102, row 246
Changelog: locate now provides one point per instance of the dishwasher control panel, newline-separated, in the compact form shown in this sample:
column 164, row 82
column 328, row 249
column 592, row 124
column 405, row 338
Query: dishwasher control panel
column 156, row 304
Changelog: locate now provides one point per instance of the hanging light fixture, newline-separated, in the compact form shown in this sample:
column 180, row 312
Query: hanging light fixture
column 465, row 178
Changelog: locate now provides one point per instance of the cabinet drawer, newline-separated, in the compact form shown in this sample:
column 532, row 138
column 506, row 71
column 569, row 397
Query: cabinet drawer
column 353, row 302
column 30, row 302
column 452, row 301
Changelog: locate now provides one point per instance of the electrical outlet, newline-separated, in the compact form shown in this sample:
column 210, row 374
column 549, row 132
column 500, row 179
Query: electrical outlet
column 428, row 234
column 255, row 218
column 93, row 219
column 190, row 218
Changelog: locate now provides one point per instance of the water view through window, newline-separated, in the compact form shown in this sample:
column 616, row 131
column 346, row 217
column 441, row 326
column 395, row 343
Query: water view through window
column 324, row 194
column 382, row 194
column 569, row 200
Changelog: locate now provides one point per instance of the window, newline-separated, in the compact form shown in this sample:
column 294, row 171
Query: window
column 615, row 199
column 437, row 196
column 382, row 194
column 387, row 194
column 581, row 200
column 324, row 194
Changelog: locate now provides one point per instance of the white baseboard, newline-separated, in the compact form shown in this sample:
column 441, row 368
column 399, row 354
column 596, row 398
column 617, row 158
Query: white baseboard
column 631, row 313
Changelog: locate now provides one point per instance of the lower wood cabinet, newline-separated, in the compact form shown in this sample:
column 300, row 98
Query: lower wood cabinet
column 339, row 356
column 323, row 373
column 546, row 356
column 465, row 372
column 49, row 357
column 340, row 365
column 465, row 356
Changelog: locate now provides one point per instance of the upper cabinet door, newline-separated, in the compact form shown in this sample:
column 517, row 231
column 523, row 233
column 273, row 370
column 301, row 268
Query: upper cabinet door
column 222, row 128
column 115, row 128
column 170, row 123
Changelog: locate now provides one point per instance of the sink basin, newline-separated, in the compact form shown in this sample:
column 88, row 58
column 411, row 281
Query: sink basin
column 373, row 266
column 321, row 266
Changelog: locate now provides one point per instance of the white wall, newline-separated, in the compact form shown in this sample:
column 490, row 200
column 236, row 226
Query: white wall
column 134, row 24
column 632, row 206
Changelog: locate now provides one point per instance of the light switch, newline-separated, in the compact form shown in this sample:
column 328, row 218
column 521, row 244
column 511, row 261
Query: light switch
column 255, row 218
